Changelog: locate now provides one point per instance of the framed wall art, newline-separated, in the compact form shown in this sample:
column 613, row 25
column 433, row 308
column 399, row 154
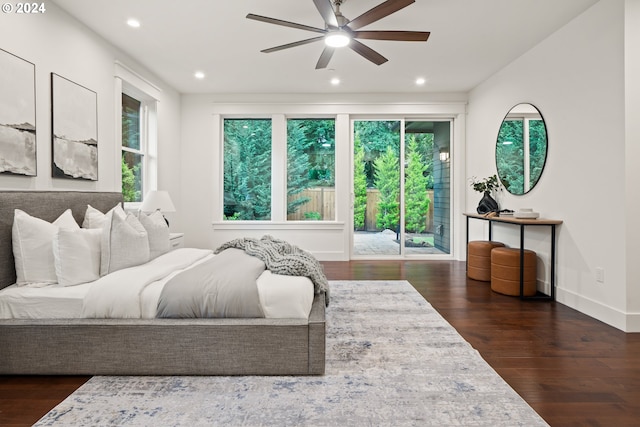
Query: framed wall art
column 74, row 119
column 17, row 115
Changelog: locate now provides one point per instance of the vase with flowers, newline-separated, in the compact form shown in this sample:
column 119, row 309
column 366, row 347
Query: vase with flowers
column 486, row 186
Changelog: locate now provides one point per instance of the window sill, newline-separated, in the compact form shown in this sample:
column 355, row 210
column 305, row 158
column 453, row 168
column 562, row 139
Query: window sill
column 133, row 207
column 278, row 225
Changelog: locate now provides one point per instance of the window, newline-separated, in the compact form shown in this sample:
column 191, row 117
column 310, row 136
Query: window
column 137, row 99
column 311, row 169
column 133, row 149
column 247, row 169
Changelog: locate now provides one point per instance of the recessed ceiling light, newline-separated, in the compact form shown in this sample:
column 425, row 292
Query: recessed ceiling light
column 199, row 75
column 133, row 23
column 420, row 81
column 335, row 81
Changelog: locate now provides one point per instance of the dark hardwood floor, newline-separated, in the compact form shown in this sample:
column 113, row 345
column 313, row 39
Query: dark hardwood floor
column 573, row 370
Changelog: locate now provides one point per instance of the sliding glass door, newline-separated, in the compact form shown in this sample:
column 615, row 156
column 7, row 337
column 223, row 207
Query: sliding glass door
column 401, row 202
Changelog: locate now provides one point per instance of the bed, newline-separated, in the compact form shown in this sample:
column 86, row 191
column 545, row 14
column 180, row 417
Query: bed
column 151, row 346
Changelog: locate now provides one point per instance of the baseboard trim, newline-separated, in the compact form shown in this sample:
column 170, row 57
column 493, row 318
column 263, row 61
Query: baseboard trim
column 543, row 286
column 330, row 255
column 633, row 322
column 626, row 322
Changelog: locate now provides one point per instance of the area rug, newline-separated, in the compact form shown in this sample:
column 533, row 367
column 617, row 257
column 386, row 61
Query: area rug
column 392, row 360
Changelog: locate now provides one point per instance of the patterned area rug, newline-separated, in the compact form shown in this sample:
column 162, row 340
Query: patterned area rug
column 392, row 360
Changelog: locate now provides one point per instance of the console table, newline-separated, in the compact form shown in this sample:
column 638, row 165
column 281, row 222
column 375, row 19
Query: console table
column 522, row 223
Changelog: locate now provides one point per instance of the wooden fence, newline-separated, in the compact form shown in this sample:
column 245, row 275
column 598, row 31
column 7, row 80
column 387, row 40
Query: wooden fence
column 323, row 203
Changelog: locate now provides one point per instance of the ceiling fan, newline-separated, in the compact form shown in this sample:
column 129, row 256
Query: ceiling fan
column 340, row 31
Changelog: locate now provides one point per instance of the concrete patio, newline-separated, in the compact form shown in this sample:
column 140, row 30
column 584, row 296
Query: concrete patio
column 385, row 243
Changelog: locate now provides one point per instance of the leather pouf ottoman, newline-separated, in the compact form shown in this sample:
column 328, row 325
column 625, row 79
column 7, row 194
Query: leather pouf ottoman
column 479, row 259
column 505, row 271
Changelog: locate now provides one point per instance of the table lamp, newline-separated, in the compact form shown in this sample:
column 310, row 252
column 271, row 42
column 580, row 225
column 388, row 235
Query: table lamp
column 156, row 200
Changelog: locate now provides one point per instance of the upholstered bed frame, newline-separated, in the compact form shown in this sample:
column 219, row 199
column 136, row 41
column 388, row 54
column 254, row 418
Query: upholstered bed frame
column 145, row 347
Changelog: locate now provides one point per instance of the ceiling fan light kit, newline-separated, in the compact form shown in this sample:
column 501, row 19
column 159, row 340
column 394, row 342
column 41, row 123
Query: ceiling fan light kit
column 341, row 32
column 337, row 38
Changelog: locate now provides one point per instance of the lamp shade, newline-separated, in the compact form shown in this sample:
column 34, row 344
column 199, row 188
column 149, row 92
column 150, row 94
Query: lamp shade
column 156, row 200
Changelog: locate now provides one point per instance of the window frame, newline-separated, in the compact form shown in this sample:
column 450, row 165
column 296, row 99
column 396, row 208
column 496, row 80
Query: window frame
column 130, row 83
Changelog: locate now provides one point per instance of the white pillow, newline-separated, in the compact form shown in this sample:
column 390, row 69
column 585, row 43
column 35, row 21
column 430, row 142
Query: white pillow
column 77, row 255
column 124, row 243
column 93, row 218
column 157, row 231
column 33, row 246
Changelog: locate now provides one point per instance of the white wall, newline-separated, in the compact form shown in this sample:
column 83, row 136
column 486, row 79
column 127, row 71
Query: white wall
column 576, row 78
column 56, row 42
column 632, row 154
column 202, row 158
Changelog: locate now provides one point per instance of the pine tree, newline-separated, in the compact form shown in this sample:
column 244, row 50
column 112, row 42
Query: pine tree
column 537, row 149
column 319, row 145
column 376, row 136
column 359, row 185
column 416, row 199
column 297, row 165
column 247, row 169
column 129, row 193
column 387, row 180
column 510, row 155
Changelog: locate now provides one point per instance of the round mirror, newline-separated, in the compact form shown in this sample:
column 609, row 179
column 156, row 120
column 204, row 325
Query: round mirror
column 521, row 149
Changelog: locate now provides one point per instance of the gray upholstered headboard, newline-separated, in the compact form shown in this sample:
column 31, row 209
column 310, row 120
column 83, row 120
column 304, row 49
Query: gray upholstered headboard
column 47, row 205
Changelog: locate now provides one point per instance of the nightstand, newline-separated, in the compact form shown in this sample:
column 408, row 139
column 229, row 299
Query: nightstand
column 176, row 240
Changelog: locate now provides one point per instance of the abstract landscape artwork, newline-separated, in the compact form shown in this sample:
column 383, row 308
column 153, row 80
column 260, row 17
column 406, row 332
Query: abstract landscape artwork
column 75, row 130
column 17, row 116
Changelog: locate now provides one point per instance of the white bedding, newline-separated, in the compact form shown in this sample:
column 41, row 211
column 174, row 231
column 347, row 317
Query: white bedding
column 280, row 296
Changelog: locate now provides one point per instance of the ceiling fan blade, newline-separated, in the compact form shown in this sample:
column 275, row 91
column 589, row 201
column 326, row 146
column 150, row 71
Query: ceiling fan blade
column 406, row 36
column 285, row 23
column 294, row 44
column 367, row 52
column 326, row 11
column 325, row 57
column 379, row 12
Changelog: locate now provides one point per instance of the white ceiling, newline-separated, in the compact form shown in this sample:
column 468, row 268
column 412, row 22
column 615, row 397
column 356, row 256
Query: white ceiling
column 470, row 40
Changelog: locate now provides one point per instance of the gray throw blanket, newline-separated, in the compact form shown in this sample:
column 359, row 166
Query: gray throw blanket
column 283, row 258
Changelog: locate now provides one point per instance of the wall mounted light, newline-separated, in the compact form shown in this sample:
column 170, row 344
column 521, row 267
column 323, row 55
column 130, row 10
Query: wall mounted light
column 444, row 156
